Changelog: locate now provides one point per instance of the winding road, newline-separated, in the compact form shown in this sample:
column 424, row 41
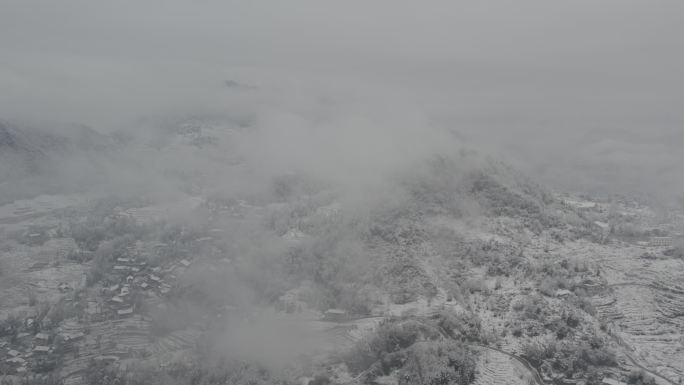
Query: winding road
column 637, row 364
column 626, row 348
column 524, row 362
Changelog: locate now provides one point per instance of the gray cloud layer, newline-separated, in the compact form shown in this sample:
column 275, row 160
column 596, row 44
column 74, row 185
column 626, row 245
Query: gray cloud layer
column 584, row 94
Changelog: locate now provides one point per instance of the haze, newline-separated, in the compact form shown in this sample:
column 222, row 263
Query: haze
column 583, row 95
column 354, row 192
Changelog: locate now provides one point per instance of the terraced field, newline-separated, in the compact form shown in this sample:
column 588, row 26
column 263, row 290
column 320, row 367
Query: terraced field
column 175, row 341
column 36, row 271
column 124, row 338
column 645, row 310
column 120, row 338
column 495, row 368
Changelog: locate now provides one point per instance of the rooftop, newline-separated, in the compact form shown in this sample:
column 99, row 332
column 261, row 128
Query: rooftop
column 335, row 311
column 125, row 311
column 16, row 360
column 42, row 336
column 41, row 349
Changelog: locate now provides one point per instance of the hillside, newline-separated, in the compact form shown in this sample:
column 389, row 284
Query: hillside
column 34, row 160
column 454, row 262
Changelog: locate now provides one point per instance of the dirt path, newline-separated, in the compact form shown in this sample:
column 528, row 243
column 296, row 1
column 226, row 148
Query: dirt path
column 524, row 362
column 637, row 364
column 627, row 348
column 654, row 374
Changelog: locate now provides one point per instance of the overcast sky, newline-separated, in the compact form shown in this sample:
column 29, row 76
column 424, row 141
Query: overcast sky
column 576, row 91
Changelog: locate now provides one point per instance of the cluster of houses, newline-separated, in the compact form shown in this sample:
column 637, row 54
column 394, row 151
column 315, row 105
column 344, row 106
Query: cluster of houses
column 660, row 241
column 585, row 205
column 137, row 275
column 657, row 242
column 335, row 315
column 20, row 354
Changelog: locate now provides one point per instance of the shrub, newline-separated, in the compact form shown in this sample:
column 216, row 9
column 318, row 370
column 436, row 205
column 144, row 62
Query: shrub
column 638, row 377
column 531, row 307
column 677, row 251
column 9, row 327
column 476, row 285
column 537, row 352
column 465, row 326
column 201, row 373
column 438, row 363
column 571, row 357
column 392, row 336
column 562, row 332
column 572, row 320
